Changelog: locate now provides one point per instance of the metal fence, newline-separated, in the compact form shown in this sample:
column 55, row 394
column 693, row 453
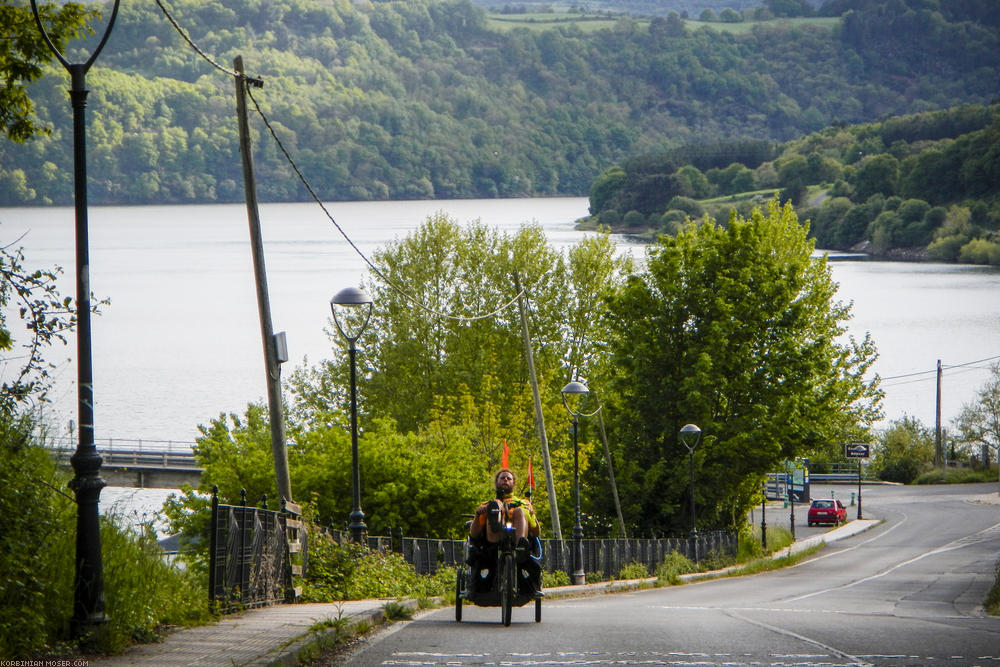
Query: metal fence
column 605, row 556
column 251, row 554
column 255, row 553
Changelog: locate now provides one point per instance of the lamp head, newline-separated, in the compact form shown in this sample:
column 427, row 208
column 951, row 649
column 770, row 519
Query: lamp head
column 576, row 393
column 351, row 297
column 689, row 436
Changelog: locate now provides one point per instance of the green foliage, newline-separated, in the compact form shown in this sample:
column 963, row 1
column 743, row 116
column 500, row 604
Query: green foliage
column 189, row 516
column 142, row 591
column 992, row 601
column 424, row 99
column 956, row 476
column 633, row 570
column 397, row 612
column 903, row 451
column 36, row 545
column 903, row 470
column 886, row 201
column 46, row 315
column 979, row 421
column 468, row 385
column 733, row 329
column 554, row 579
column 668, row 573
column 23, row 54
column 352, row 572
column 410, row 482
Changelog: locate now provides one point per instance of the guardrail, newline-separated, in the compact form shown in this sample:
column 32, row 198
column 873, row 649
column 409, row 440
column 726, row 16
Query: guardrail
column 110, row 445
column 140, row 459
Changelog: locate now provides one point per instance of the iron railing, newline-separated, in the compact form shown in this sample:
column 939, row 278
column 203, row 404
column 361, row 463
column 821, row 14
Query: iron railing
column 251, row 552
column 605, row 556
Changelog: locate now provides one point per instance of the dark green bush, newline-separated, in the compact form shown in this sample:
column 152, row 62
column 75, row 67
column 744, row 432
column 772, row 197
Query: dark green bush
column 902, row 470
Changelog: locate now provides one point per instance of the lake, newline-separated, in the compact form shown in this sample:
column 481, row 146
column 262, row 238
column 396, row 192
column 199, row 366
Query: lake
column 180, row 342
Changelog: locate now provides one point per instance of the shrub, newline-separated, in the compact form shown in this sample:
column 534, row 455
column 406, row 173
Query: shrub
column 553, row 579
column 902, row 470
column 633, row 570
column 956, row 476
column 37, row 550
column 992, row 601
column 142, row 590
column 353, row 572
column 673, row 566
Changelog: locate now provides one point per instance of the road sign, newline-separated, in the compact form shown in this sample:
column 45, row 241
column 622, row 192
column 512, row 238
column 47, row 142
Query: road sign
column 857, row 450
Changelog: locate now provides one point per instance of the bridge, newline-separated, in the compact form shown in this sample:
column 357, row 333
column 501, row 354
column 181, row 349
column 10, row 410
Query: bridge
column 144, row 464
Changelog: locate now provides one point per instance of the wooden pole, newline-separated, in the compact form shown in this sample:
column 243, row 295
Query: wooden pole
column 611, row 468
column 938, row 450
column 271, row 364
column 539, row 417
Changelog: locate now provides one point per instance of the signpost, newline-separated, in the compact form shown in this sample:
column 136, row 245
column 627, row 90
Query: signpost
column 859, row 451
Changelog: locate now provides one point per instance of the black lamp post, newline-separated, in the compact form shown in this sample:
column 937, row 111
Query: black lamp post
column 352, row 297
column 791, row 497
column 88, row 591
column 690, row 436
column 577, row 577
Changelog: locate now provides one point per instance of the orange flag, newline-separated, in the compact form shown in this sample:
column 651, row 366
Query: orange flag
column 506, row 455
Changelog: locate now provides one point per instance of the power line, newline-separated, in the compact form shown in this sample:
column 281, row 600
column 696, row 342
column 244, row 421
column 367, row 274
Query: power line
column 934, row 370
column 258, row 83
column 371, row 265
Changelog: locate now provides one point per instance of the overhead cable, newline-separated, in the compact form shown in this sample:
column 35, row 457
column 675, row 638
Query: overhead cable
column 258, row 83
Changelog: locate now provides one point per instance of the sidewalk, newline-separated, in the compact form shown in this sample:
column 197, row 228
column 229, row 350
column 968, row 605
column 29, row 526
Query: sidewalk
column 285, row 634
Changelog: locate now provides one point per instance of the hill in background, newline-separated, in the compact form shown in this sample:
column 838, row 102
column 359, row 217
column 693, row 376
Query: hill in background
column 424, row 99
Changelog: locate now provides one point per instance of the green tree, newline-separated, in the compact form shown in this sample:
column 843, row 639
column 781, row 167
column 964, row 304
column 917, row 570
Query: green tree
column 876, row 175
column 738, row 330
column 903, row 450
column 605, row 188
column 979, row 421
column 23, row 54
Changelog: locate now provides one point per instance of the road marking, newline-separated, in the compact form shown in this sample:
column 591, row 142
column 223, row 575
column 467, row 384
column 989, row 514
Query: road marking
column 788, row 633
column 959, row 543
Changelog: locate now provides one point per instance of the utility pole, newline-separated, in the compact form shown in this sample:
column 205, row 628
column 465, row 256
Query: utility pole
column 275, row 351
column 539, row 417
column 611, row 468
column 938, row 458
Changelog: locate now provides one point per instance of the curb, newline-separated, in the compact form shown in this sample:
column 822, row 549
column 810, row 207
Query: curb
column 314, row 643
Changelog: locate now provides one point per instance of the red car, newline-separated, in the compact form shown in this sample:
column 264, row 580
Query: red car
column 827, row 510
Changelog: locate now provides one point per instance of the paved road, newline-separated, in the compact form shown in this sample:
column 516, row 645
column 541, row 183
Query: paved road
column 905, row 593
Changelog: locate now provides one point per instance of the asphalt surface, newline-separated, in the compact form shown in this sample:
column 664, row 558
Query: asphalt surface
column 287, row 635
column 907, row 592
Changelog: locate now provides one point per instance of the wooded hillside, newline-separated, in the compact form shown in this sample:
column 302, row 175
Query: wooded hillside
column 419, row 99
column 922, row 185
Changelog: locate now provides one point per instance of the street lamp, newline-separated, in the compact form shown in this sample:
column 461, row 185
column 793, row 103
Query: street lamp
column 88, row 589
column 353, row 297
column 579, row 390
column 690, row 435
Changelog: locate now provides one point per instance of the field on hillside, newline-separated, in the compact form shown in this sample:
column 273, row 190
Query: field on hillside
column 591, row 22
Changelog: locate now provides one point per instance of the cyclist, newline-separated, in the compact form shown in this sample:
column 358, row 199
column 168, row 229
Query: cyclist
column 489, row 522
